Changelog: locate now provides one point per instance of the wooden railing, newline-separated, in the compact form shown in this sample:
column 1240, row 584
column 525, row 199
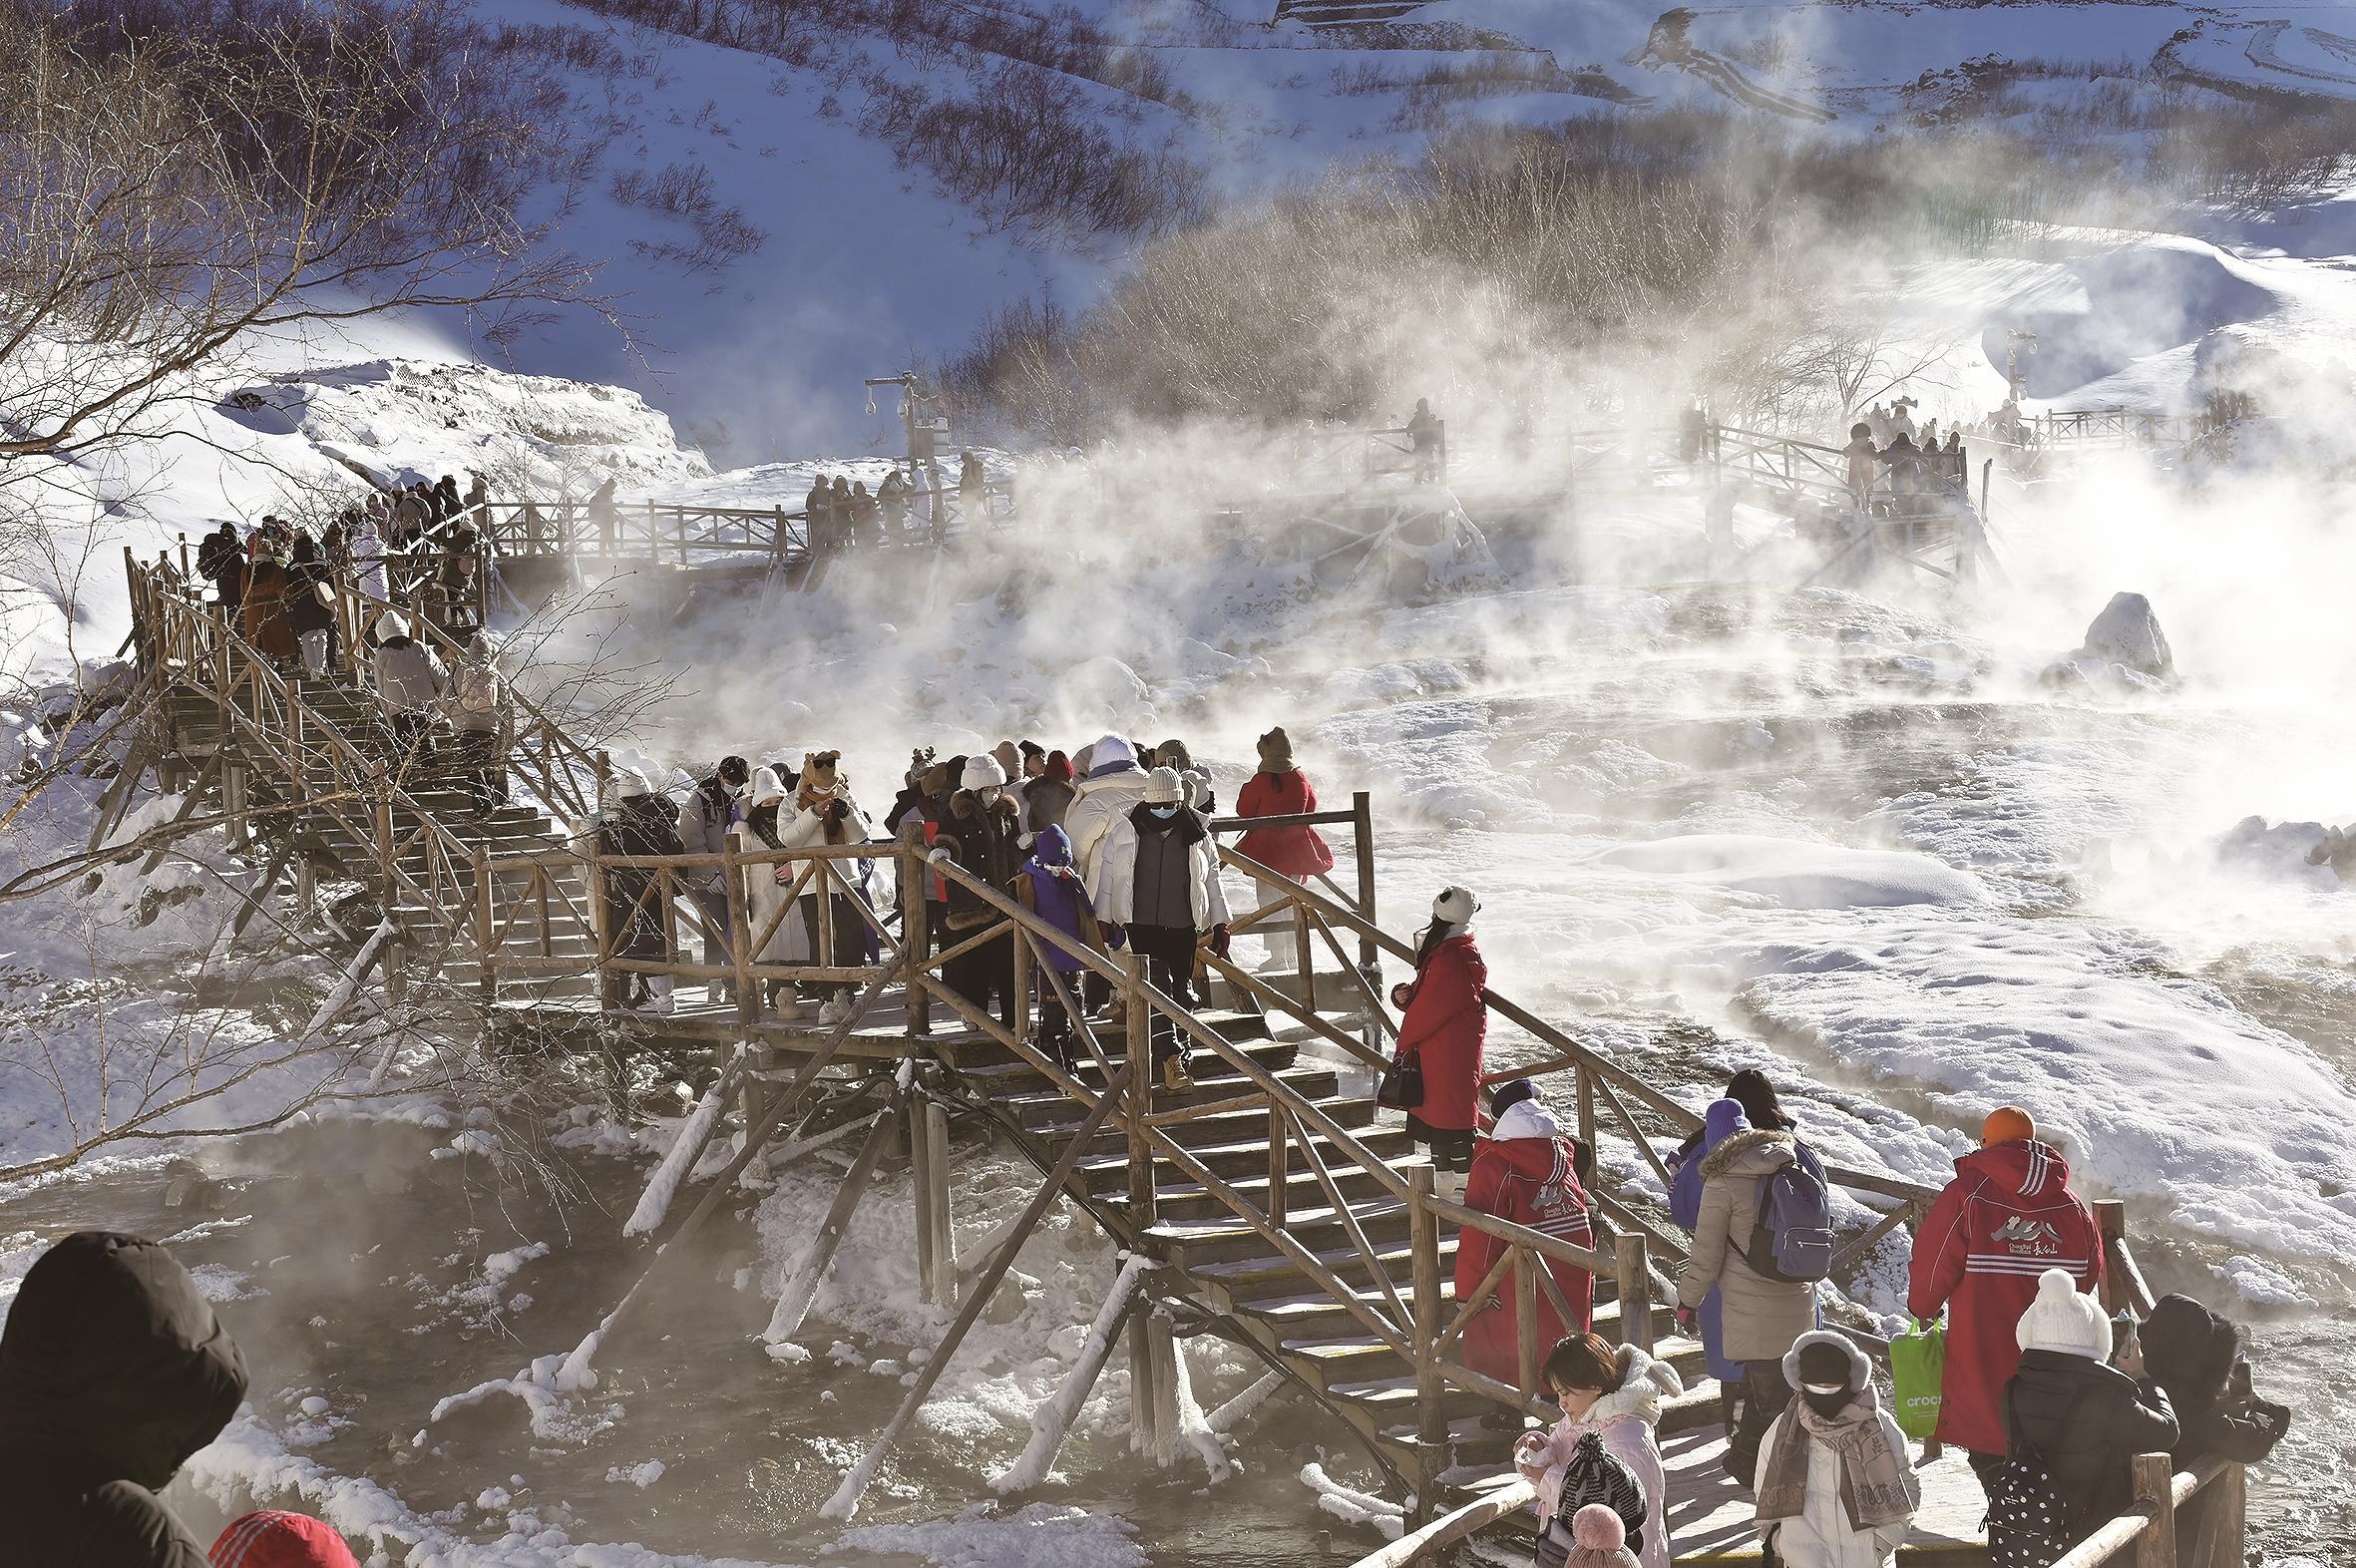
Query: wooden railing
column 686, row 533
column 265, row 723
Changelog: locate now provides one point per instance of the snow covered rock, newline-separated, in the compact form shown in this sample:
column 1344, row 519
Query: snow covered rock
column 2127, row 633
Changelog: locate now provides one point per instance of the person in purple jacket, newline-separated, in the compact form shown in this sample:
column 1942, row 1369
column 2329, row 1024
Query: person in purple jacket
column 1049, row 885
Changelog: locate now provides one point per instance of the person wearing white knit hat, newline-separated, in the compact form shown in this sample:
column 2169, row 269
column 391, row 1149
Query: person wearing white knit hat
column 1443, row 1033
column 2073, row 1416
column 981, row 830
column 640, row 822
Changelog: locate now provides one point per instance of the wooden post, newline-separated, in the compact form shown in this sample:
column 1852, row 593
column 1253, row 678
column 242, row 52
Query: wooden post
column 234, row 802
column 1363, row 829
column 1280, row 1164
column 1161, row 1343
column 2111, row 1223
column 1432, row 1424
column 1525, row 1318
column 915, row 930
column 1138, row 1031
column 1306, row 959
column 1141, row 1371
column 2155, row 1488
column 486, row 972
column 2228, row 1512
column 1636, row 1290
column 927, row 1185
column 1584, row 1078
column 740, row 936
column 1019, row 942
column 935, row 1240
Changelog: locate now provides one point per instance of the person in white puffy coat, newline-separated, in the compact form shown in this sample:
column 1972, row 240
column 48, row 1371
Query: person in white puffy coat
column 1157, row 879
column 765, row 887
column 1835, row 1483
column 824, row 813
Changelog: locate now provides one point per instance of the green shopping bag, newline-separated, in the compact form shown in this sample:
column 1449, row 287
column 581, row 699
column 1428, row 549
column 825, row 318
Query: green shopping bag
column 1918, row 1369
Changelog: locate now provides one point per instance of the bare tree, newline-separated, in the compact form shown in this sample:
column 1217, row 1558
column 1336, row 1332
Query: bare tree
column 166, row 198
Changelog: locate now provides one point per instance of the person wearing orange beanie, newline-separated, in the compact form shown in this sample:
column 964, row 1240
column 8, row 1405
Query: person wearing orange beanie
column 2007, row 1124
column 2007, row 1217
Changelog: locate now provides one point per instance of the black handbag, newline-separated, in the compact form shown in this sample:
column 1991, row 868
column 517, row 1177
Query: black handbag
column 1402, row 1084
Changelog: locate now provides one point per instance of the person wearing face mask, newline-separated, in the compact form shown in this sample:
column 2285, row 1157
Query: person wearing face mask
column 1157, row 878
column 981, row 831
column 704, row 819
column 1834, row 1485
column 1614, row 1394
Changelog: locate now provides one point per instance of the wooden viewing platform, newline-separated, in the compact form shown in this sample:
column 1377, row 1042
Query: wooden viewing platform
column 1276, row 1205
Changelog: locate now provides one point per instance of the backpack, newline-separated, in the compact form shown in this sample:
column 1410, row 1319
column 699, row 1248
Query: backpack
column 477, row 691
column 1791, row 1241
column 2031, row 1522
column 1594, row 1474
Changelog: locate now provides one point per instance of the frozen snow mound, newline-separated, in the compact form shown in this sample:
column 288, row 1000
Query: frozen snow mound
column 1801, row 875
column 2309, row 852
column 2125, row 651
column 2127, row 633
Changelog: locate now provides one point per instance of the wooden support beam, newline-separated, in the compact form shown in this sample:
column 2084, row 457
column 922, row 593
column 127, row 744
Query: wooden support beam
column 1161, row 1344
column 1051, row 1422
column 845, row 1502
column 800, row 1292
column 931, row 1134
column 1432, row 1424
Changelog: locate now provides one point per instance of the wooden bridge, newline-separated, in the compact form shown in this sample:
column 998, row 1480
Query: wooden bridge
column 1270, row 1203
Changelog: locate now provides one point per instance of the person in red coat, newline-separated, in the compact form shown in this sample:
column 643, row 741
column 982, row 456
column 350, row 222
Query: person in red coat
column 1281, row 789
column 1444, row 1028
column 2007, row 1217
column 1524, row 1171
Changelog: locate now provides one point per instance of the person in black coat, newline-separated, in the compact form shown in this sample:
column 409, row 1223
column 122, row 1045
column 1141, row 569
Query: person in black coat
column 642, row 821
column 113, row 1372
column 2082, row 1418
column 981, row 831
column 2195, row 1357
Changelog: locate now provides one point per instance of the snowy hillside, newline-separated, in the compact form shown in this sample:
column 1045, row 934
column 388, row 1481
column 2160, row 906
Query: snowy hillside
column 781, row 220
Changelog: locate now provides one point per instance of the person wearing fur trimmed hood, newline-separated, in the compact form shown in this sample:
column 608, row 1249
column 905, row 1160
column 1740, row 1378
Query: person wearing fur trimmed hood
column 1836, row 1484
column 2066, row 1411
column 1760, row 1318
column 2007, row 1215
column 1521, row 1173
column 2196, row 1356
column 1615, row 1394
column 1157, row 879
column 981, row 831
column 1833, row 1484
column 824, row 813
column 1446, row 1027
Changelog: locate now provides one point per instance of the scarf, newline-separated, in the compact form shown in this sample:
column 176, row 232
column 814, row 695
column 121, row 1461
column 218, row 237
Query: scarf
column 1876, row 1486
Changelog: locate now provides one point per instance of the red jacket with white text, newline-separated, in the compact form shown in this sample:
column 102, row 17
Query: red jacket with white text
column 2007, row 1217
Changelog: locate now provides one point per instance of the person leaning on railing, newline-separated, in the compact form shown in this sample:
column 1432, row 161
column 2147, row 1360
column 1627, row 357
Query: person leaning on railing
column 637, row 821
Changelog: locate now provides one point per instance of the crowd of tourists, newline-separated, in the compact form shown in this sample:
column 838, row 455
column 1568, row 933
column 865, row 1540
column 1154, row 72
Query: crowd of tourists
column 1890, row 457
column 2047, row 1395
column 841, row 513
column 1110, row 845
column 420, row 546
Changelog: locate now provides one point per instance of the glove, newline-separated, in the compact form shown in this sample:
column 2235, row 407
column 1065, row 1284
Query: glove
column 1401, row 995
column 1218, row 939
column 936, row 856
